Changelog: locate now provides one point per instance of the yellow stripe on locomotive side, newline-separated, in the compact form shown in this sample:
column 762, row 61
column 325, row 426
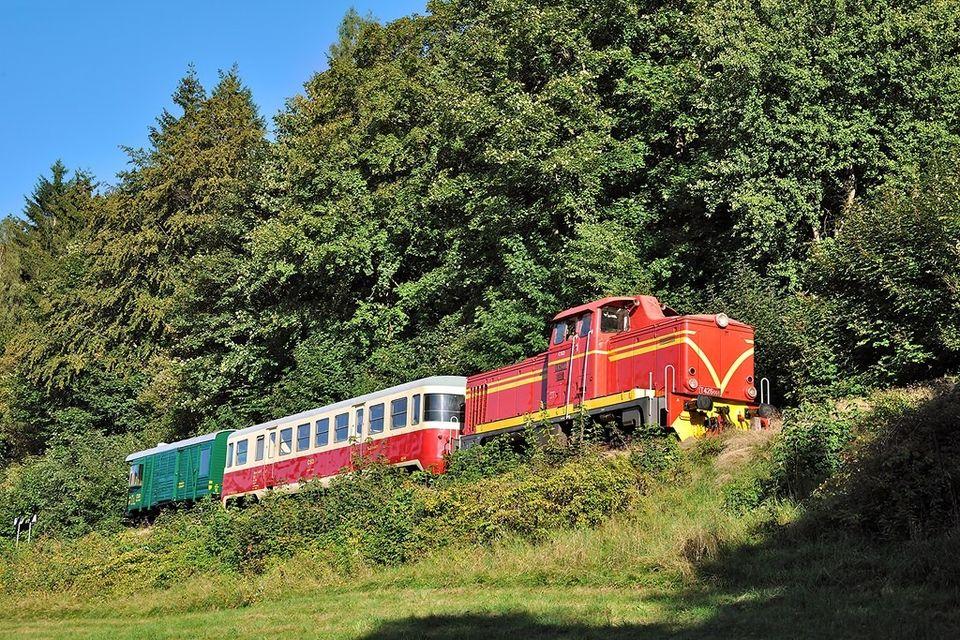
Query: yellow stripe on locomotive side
column 663, row 344
column 536, row 376
column 621, row 353
column 556, row 412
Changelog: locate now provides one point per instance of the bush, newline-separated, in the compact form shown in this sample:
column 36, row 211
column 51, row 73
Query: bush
column 76, row 487
column 890, row 278
column 902, row 479
column 809, row 448
column 378, row 516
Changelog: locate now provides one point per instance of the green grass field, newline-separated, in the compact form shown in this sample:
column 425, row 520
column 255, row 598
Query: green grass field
column 677, row 565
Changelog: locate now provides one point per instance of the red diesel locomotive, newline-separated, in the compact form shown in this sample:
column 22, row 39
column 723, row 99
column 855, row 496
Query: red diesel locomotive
column 628, row 359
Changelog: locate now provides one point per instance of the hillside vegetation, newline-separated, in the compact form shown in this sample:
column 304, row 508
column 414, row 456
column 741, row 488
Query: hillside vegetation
column 754, row 534
column 449, row 182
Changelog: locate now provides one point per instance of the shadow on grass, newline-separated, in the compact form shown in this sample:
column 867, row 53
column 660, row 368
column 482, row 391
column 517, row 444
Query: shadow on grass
column 512, row 626
column 851, row 568
column 781, row 588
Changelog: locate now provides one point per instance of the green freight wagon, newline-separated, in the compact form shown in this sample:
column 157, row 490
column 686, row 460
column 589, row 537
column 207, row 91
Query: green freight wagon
column 177, row 472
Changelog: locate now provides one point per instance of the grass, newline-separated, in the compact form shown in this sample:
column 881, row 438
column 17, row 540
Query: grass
column 677, row 565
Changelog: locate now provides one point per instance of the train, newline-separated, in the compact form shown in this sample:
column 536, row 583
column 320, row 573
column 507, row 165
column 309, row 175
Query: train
column 627, row 361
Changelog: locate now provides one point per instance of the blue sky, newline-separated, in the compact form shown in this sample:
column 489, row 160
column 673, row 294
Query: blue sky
column 80, row 79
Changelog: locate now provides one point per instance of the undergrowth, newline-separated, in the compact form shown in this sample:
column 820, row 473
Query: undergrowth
column 856, row 497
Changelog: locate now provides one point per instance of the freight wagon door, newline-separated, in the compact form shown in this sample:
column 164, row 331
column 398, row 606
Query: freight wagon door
column 203, row 484
column 164, row 476
column 187, row 473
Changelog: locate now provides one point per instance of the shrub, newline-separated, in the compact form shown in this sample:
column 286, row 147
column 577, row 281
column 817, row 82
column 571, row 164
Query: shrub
column 809, row 449
column 71, row 488
column 902, row 479
column 890, row 278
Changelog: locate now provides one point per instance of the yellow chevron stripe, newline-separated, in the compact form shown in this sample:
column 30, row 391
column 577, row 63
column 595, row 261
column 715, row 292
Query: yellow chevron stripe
column 671, row 340
column 736, row 364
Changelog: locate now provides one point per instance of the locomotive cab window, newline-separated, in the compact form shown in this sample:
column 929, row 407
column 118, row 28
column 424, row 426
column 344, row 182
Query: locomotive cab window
column 136, row 476
column 583, row 325
column 614, row 319
column 563, row 330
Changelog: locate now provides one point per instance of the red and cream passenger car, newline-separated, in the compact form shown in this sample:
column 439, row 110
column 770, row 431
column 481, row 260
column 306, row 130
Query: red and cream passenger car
column 411, row 425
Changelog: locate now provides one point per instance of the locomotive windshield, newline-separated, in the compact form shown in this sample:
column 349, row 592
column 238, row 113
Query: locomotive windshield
column 443, row 407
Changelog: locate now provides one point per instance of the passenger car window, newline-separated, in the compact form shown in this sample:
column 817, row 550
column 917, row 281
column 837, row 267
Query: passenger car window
column 614, row 319
column 398, row 413
column 443, row 407
column 303, row 437
column 258, row 448
column 376, row 418
column 415, row 410
column 229, row 455
column 242, row 452
column 359, row 421
column 341, row 427
column 323, row 432
column 286, row 441
column 204, row 462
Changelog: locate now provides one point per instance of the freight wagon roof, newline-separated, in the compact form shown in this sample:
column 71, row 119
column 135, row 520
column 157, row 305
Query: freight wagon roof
column 433, row 381
column 179, row 444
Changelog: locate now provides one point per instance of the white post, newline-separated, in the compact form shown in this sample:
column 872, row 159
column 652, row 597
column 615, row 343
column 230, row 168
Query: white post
column 33, row 521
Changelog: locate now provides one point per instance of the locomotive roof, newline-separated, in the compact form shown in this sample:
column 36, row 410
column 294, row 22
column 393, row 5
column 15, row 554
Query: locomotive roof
column 439, row 381
column 179, row 444
column 590, row 306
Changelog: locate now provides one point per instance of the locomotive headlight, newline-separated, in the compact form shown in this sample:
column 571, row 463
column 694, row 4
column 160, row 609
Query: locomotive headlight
column 751, row 392
column 693, row 383
column 722, row 320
